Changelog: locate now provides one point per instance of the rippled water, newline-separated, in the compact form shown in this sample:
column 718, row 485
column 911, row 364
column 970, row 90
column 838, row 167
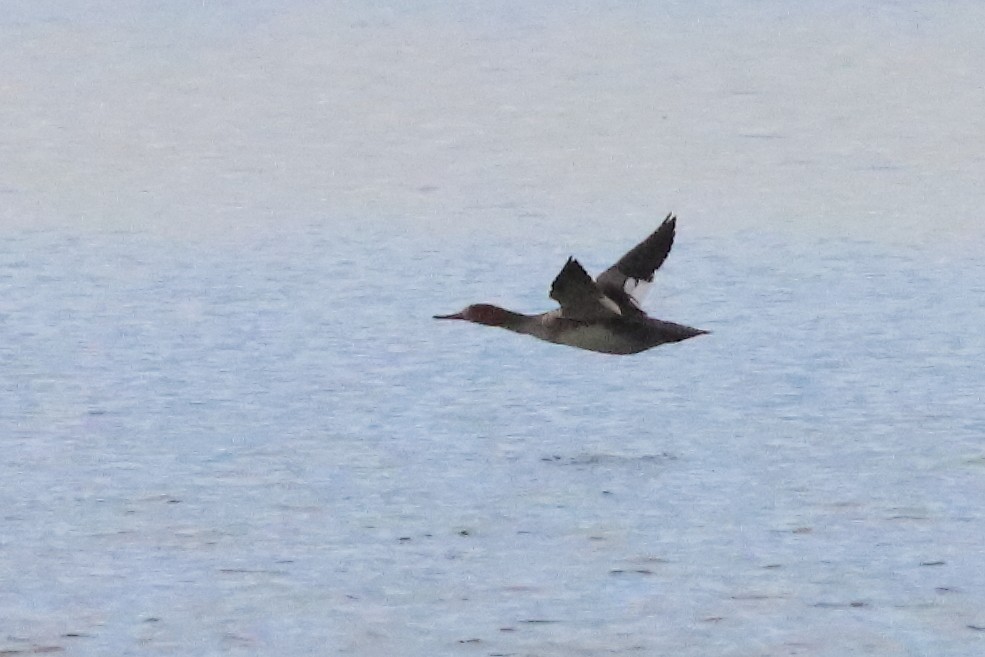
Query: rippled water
column 230, row 425
column 253, row 447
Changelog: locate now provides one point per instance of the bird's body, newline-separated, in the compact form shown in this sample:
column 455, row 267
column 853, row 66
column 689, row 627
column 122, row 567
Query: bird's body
column 601, row 315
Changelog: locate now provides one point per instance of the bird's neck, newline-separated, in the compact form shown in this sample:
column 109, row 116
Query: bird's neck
column 534, row 325
column 513, row 321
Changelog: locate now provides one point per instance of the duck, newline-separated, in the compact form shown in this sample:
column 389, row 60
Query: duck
column 602, row 315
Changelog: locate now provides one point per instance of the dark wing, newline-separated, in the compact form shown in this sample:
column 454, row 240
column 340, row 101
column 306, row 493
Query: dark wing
column 627, row 281
column 579, row 296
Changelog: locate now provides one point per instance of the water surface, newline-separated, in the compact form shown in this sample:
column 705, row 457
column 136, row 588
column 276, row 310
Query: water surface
column 230, row 425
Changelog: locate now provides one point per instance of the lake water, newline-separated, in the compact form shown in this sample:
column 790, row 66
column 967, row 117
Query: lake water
column 230, row 425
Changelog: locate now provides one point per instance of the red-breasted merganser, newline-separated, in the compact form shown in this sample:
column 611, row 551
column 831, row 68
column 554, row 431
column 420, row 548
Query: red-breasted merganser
column 601, row 315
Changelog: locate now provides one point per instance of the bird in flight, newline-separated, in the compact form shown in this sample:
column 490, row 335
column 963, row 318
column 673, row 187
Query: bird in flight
column 603, row 315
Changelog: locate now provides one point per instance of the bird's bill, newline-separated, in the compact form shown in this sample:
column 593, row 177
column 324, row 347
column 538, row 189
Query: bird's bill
column 451, row 316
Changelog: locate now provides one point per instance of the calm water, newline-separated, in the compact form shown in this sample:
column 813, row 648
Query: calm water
column 230, row 426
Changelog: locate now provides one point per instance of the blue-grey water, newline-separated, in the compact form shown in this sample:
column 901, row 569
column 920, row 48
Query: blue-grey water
column 230, row 425
column 257, row 447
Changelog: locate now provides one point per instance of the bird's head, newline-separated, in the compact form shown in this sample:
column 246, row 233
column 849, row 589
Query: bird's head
column 480, row 313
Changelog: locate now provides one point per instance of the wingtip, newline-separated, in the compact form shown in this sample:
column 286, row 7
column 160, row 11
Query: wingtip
column 573, row 264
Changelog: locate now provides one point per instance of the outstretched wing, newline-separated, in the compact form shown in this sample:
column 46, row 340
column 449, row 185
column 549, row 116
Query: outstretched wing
column 627, row 281
column 579, row 296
